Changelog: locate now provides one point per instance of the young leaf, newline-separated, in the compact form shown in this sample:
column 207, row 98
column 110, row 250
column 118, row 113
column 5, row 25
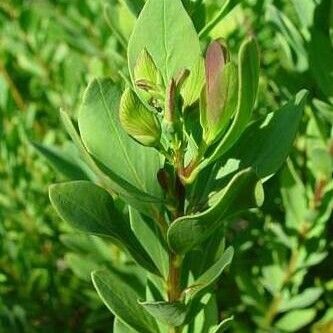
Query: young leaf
column 105, row 139
column 302, row 300
column 121, row 300
column 188, row 231
column 173, row 314
column 90, row 209
column 165, row 30
column 146, row 74
column 212, row 274
column 295, row 320
column 192, row 87
column 139, row 122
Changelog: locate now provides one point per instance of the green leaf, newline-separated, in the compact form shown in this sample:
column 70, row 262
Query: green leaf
column 228, row 5
column 320, row 49
column 295, row 320
column 165, row 30
column 188, row 231
column 322, row 67
column 148, row 233
column 91, row 209
column 248, row 79
column 139, row 122
column 105, row 139
column 325, row 109
column 302, row 300
column 173, row 314
column 121, row 300
column 294, row 197
column 204, row 314
column 145, row 71
column 305, row 11
column 140, row 200
column 291, row 34
column 321, row 163
column 111, row 17
column 222, row 326
column 212, row 274
column 192, row 87
column 120, row 327
column 62, row 161
column 265, row 145
column 280, row 235
column 273, row 277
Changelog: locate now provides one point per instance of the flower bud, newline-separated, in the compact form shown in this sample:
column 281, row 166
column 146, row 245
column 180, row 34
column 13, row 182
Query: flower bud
column 139, row 122
column 219, row 96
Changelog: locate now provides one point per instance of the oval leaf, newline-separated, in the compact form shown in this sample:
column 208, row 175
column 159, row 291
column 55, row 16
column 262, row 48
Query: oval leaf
column 121, row 300
column 139, row 122
column 295, row 320
column 90, row 209
column 165, row 30
column 145, row 203
column 105, row 139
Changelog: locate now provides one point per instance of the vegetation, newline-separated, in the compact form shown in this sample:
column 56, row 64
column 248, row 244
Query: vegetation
column 192, row 177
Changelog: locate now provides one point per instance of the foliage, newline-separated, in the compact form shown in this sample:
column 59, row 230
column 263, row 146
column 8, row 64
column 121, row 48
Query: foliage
column 205, row 191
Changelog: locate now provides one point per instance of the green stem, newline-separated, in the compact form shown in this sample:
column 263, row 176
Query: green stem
column 175, row 260
column 174, row 292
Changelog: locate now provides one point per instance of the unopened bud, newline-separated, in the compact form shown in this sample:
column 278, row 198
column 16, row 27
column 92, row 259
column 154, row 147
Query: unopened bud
column 219, row 97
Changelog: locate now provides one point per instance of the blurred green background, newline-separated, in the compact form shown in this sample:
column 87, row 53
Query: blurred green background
column 49, row 50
